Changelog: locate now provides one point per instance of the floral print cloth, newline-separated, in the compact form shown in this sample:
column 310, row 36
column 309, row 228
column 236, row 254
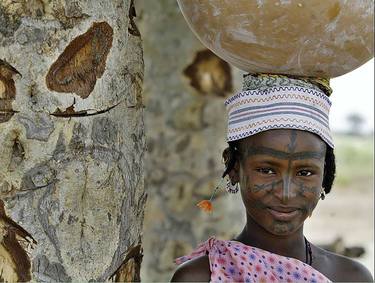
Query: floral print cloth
column 232, row 261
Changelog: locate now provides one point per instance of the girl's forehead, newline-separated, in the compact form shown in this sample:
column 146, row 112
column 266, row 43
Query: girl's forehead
column 284, row 140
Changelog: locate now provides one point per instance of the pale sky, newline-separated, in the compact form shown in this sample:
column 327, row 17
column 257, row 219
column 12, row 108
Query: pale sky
column 353, row 93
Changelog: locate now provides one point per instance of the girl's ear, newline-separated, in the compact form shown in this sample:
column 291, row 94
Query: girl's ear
column 230, row 159
column 234, row 173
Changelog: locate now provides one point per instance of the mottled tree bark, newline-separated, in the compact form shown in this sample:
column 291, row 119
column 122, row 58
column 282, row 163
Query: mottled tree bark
column 72, row 139
column 185, row 88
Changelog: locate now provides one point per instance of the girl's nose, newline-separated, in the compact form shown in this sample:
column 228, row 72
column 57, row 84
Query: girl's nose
column 285, row 189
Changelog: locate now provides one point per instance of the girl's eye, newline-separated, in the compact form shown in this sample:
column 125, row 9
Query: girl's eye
column 266, row 171
column 304, row 173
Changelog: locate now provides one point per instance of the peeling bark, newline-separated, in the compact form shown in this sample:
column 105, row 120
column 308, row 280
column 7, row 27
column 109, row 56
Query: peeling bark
column 70, row 112
column 82, row 62
column 7, row 90
column 129, row 271
column 133, row 29
column 14, row 260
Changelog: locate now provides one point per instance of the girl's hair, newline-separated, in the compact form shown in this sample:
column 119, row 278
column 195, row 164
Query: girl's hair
column 231, row 155
column 329, row 170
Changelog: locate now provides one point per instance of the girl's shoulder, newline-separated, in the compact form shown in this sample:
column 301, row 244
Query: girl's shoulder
column 195, row 267
column 340, row 268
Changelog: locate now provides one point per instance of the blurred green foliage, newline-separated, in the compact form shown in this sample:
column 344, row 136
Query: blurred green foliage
column 354, row 161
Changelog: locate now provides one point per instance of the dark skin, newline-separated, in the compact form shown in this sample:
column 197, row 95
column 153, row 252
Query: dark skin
column 280, row 170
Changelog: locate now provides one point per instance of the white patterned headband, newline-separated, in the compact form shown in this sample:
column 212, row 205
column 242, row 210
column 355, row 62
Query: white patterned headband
column 279, row 102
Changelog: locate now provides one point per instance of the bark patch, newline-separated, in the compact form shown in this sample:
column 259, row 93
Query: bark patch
column 129, row 271
column 7, row 90
column 209, row 74
column 133, row 29
column 18, row 155
column 39, row 126
column 82, row 62
column 104, row 131
column 46, row 271
column 15, row 263
column 8, row 24
column 71, row 112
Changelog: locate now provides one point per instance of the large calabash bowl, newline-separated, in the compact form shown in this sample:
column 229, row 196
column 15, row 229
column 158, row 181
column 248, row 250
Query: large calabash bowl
column 299, row 37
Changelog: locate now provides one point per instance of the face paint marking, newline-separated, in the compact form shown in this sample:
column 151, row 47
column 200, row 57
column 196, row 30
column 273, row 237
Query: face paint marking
column 274, row 165
column 282, row 227
column 260, row 150
column 290, row 155
column 302, row 189
column 287, row 177
column 266, row 187
column 293, row 138
column 305, row 189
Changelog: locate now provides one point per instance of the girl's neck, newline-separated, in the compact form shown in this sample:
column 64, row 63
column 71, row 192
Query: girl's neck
column 292, row 245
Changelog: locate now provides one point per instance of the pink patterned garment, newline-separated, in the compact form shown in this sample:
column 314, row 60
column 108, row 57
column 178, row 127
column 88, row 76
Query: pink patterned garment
column 232, row 261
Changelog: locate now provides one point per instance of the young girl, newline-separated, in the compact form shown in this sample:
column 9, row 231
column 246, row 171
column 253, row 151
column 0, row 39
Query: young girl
column 281, row 156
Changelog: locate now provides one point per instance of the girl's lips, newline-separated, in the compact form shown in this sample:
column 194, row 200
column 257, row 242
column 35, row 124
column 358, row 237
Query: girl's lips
column 283, row 214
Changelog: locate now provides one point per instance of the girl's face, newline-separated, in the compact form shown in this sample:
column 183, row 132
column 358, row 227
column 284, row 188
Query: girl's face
column 281, row 175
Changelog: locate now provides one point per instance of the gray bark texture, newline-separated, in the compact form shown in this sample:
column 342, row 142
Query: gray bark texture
column 184, row 91
column 72, row 138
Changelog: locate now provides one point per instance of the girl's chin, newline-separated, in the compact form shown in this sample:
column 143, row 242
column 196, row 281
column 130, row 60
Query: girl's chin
column 282, row 228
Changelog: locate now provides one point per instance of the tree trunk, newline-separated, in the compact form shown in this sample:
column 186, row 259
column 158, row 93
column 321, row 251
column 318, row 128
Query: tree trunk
column 185, row 88
column 72, row 140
